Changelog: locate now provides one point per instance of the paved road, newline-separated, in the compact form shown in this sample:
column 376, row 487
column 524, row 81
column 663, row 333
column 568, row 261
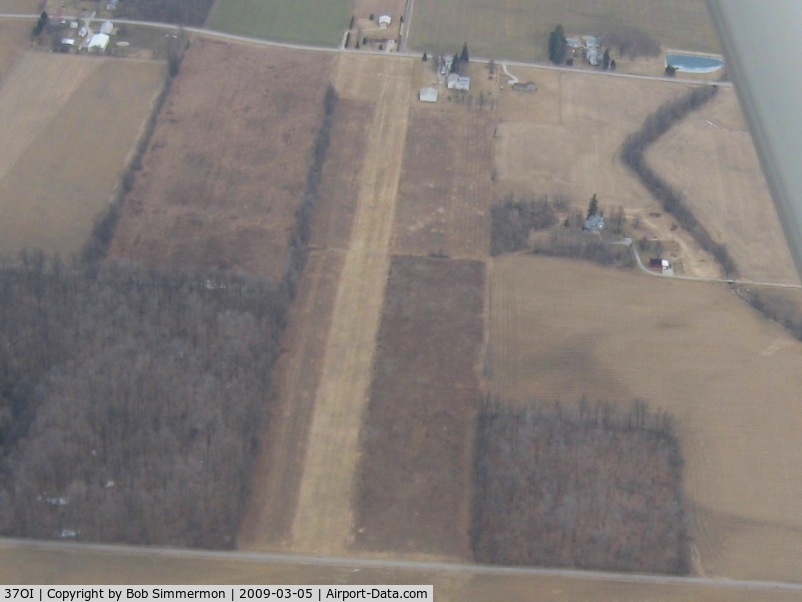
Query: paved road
column 356, row 564
column 410, row 4
column 402, row 52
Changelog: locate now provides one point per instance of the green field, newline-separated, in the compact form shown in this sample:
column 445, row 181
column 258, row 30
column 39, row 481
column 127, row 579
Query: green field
column 317, row 22
column 519, row 29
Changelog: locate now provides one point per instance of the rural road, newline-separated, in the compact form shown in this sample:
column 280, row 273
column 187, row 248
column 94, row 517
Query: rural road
column 408, row 6
column 629, row 243
column 357, row 564
column 262, row 42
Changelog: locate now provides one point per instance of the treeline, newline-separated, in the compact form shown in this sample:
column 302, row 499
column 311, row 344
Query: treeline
column 590, row 487
column 576, row 244
column 97, row 245
column 513, row 221
column 133, row 400
column 782, row 306
column 185, row 12
column 299, row 238
column 673, row 201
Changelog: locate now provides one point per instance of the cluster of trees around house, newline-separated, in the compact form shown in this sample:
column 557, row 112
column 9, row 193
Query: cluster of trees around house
column 627, row 41
column 515, row 224
column 40, row 24
column 673, row 201
column 132, row 400
column 185, row 12
column 557, row 43
column 591, row 488
column 564, row 242
column 631, row 42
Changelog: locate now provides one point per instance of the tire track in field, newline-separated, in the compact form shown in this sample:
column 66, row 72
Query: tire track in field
column 324, row 518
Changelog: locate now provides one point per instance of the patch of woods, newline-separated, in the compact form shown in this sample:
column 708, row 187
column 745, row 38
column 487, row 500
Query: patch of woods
column 185, row 12
column 534, row 225
column 591, row 488
column 132, row 400
column 673, row 201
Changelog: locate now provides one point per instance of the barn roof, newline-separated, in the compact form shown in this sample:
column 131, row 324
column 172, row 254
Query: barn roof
column 99, row 40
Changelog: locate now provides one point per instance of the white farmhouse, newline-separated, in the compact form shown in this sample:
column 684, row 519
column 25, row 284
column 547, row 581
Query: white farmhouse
column 458, row 82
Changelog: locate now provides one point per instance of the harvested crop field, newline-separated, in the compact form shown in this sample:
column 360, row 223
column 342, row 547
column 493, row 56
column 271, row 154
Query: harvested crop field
column 577, row 155
column 520, row 29
column 319, row 22
column 14, row 37
column 711, row 159
column 561, row 329
column 22, row 7
column 228, row 161
column 57, row 171
column 417, row 439
column 445, row 190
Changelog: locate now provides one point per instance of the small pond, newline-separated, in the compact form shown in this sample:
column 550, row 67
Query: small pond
column 694, row 63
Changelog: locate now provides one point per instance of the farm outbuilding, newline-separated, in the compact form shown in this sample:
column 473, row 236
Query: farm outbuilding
column 525, row 86
column 428, row 95
column 385, row 20
column 107, row 28
column 99, row 42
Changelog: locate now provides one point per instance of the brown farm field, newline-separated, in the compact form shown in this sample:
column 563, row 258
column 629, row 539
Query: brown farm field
column 65, row 144
column 22, row 7
column 565, row 140
column 227, row 162
column 417, row 439
column 566, row 137
column 561, row 329
column 446, row 188
column 519, row 29
column 14, row 37
column 711, row 159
